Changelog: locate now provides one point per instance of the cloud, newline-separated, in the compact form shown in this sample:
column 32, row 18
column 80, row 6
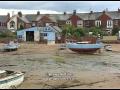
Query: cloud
column 24, row 11
column 59, row 6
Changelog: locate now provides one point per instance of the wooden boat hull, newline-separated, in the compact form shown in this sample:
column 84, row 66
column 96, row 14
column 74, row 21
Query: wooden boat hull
column 11, row 82
column 87, row 50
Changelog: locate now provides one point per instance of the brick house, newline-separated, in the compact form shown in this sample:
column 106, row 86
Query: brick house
column 3, row 21
column 105, row 19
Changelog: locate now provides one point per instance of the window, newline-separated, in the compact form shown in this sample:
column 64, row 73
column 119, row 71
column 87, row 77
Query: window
column 116, row 22
column 98, row 23
column 79, row 22
column 19, row 36
column 43, row 34
column 68, row 22
column 12, row 24
column 109, row 23
column 87, row 23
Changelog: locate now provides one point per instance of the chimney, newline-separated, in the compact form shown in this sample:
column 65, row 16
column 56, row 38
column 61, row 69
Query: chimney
column 64, row 13
column 104, row 12
column 74, row 12
column 8, row 15
column 12, row 13
column 38, row 13
column 91, row 12
column 20, row 14
column 118, row 10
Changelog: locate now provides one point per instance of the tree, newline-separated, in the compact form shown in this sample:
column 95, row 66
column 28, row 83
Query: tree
column 68, row 31
column 115, row 30
column 79, row 32
column 96, row 31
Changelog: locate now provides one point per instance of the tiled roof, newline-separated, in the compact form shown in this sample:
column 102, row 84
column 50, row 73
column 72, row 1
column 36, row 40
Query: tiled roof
column 23, row 18
column 31, row 17
column 55, row 17
column 3, row 18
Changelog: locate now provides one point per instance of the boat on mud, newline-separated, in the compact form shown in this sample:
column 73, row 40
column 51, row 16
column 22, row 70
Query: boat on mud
column 10, row 79
column 108, row 47
column 11, row 46
column 84, row 47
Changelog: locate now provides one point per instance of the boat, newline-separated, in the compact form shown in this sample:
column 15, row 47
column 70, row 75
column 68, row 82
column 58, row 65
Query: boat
column 11, row 46
column 84, row 47
column 10, row 79
column 108, row 47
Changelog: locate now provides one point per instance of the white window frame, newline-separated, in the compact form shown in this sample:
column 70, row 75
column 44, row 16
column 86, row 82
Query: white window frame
column 109, row 24
column 98, row 23
column 68, row 22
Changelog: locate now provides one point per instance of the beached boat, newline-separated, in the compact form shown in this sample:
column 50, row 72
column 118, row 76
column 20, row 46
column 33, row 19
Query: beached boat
column 84, row 47
column 10, row 79
column 108, row 47
column 11, row 46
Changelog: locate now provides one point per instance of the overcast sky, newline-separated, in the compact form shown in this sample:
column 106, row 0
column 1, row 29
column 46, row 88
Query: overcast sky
column 56, row 6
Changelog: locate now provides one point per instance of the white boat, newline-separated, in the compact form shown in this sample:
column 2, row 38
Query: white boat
column 11, row 46
column 10, row 79
column 108, row 47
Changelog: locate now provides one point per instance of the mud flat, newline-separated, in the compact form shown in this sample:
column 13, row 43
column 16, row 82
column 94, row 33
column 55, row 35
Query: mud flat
column 46, row 67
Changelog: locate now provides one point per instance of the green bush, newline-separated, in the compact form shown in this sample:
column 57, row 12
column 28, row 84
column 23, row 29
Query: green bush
column 115, row 30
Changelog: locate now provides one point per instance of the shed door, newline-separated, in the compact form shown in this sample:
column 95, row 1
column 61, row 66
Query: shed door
column 29, row 35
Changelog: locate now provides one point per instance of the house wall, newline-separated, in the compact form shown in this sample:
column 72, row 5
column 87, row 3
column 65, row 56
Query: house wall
column 104, row 19
column 89, row 23
column 12, row 19
column 50, row 37
column 3, row 25
column 74, row 19
column 21, row 33
column 44, row 20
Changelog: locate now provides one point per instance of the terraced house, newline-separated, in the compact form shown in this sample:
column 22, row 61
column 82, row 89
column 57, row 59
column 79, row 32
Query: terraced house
column 3, row 21
column 105, row 19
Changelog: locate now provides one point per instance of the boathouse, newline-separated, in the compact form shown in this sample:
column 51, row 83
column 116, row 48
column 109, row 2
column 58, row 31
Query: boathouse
column 47, row 34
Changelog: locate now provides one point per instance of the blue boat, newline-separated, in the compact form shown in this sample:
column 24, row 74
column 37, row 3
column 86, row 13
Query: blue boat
column 84, row 47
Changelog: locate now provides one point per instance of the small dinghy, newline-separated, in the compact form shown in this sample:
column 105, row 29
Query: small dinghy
column 11, row 46
column 10, row 79
column 108, row 47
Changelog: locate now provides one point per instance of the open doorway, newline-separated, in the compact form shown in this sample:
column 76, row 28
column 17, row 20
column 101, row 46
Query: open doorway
column 29, row 35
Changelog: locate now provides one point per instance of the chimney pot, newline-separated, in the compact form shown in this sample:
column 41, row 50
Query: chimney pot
column 64, row 13
column 118, row 10
column 74, row 12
